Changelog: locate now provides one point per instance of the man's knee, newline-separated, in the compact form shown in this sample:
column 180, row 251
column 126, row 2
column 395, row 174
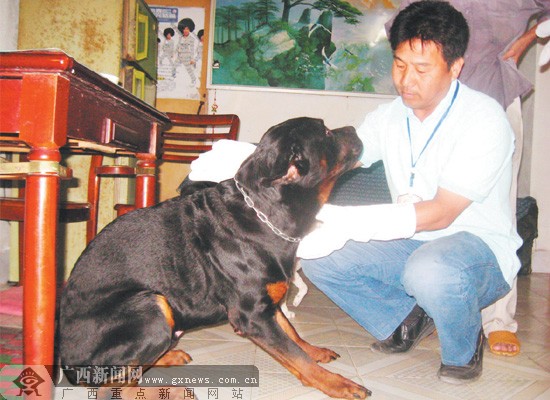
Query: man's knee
column 425, row 278
column 438, row 266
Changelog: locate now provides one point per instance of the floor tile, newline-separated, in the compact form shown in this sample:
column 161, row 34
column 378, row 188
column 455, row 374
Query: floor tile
column 410, row 376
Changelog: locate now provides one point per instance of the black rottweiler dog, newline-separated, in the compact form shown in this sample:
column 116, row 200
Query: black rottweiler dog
column 219, row 253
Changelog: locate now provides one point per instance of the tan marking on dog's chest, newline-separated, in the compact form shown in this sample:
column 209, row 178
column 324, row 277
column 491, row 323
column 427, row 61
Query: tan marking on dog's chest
column 166, row 310
column 325, row 190
column 277, row 291
column 326, row 185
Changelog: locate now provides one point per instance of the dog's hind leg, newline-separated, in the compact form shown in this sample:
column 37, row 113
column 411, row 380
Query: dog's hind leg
column 171, row 357
column 128, row 329
column 149, row 330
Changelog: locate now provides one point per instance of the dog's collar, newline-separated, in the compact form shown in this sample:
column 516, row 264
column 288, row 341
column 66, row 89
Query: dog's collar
column 250, row 203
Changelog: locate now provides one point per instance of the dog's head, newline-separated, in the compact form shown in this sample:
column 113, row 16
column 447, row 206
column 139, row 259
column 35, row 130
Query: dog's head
column 301, row 158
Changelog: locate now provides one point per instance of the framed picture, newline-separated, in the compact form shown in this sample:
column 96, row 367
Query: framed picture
column 328, row 45
column 180, row 33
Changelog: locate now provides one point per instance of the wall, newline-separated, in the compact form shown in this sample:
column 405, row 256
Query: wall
column 9, row 12
column 540, row 165
column 90, row 31
column 259, row 110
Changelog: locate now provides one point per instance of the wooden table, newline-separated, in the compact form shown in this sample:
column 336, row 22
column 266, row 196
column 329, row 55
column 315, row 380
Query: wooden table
column 47, row 99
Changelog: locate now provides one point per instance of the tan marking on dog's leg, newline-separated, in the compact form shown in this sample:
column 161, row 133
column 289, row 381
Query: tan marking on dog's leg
column 166, row 310
column 277, row 291
column 171, row 357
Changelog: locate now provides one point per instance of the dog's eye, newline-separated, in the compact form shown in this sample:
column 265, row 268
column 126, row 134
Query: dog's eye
column 328, row 132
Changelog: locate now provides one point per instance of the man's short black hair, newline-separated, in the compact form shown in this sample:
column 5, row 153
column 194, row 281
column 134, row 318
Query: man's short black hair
column 435, row 21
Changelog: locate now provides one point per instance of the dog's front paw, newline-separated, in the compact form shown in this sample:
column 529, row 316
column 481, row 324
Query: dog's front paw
column 338, row 387
column 322, row 355
column 352, row 390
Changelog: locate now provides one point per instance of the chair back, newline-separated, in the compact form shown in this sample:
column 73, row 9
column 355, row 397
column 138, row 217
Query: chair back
column 193, row 134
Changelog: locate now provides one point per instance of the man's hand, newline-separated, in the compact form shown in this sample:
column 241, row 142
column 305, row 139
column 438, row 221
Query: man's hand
column 360, row 223
column 518, row 48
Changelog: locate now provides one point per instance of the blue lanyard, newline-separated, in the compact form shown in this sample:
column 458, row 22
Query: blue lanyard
column 413, row 162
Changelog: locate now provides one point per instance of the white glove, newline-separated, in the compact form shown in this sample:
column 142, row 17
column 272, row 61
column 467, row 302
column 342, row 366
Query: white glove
column 222, row 162
column 359, row 223
column 543, row 30
column 375, row 222
column 322, row 241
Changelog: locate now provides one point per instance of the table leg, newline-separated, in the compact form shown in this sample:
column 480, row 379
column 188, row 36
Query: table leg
column 39, row 292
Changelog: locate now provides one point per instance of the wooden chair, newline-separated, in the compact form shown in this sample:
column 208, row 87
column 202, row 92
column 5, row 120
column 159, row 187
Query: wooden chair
column 194, row 134
column 12, row 208
column 191, row 135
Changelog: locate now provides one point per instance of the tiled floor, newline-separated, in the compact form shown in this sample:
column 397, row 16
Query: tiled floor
column 409, row 376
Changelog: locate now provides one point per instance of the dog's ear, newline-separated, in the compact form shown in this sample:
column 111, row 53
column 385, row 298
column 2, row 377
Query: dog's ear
column 298, row 166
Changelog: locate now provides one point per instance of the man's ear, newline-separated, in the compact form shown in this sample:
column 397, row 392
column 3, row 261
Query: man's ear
column 457, row 67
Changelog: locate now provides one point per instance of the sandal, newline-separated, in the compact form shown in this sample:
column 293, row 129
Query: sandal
column 503, row 337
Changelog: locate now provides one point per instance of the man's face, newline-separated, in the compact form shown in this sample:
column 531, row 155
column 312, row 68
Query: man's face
column 421, row 75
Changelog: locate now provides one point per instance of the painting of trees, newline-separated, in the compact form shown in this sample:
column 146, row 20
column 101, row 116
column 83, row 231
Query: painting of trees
column 303, row 44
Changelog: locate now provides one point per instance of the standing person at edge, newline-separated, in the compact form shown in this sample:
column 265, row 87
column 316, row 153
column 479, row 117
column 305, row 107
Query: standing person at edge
column 447, row 246
column 498, row 38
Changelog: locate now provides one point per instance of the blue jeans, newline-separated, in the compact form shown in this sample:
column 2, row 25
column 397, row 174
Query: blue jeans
column 378, row 284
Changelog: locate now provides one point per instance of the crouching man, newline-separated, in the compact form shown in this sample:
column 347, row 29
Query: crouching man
column 446, row 247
